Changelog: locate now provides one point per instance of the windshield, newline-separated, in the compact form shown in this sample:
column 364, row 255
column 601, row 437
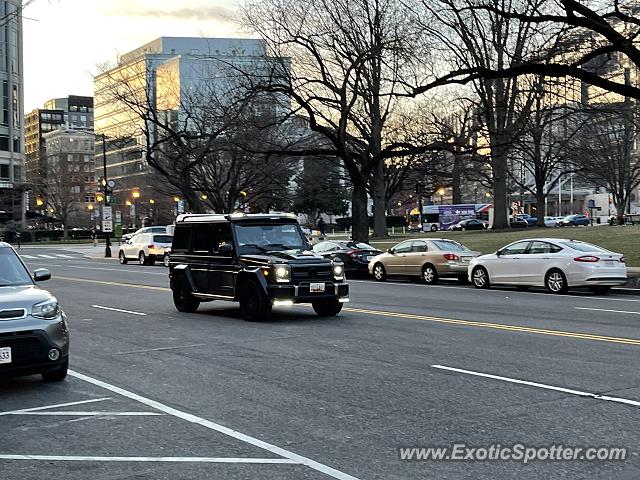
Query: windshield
column 12, row 271
column 583, row 247
column 162, row 239
column 450, row 246
column 266, row 238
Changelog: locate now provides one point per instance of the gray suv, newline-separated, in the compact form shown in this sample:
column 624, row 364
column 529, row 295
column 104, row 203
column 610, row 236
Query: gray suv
column 34, row 336
column 258, row 260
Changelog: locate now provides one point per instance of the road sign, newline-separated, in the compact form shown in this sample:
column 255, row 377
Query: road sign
column 118, row 217
column 107, row 226
column 111, row 183
column 107, row 213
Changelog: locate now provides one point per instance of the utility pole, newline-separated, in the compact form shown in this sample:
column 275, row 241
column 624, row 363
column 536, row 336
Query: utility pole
column 107, row 194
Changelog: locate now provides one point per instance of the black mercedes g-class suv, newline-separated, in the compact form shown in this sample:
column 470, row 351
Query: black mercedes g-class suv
column 259, row 260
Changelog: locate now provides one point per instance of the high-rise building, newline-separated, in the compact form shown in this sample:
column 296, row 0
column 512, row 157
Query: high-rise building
column 69, row 182
column 144, row 76
column 71, row 113
column 12, row 188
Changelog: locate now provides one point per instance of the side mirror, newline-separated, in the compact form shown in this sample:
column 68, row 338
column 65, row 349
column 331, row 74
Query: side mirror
column 41, row 274
column 226, row 249
column 499, row 252
column 390, row 250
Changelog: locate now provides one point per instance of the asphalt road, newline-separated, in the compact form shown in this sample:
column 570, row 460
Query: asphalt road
column 157, row 394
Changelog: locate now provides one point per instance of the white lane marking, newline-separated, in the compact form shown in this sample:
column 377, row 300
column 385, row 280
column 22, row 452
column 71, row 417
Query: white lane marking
column 28, row 256
column 45, row 256
column 605, row 310
column 91, row 414
column 73, row 458
column 63, row 256
column 119, row 310
column 596, row 396
column 58, row 405
column 162, row 349
column 293, row 457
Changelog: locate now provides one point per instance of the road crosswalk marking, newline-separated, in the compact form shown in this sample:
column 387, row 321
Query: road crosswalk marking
column 58, row 255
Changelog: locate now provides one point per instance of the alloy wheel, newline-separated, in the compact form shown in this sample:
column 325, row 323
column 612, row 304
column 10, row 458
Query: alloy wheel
column 555, row 282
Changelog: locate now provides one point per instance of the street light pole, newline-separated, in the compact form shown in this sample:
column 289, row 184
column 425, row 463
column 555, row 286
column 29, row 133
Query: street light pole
column 107, row 193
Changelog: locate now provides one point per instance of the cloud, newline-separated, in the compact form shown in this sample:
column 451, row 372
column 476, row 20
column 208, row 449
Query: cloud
column 204, row 13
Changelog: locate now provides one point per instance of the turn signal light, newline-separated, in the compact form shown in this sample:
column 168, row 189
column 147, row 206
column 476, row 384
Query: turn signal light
column 587, row 258
column 451, row 256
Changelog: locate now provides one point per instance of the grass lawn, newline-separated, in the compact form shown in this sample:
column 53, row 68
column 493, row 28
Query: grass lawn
column 623, row 239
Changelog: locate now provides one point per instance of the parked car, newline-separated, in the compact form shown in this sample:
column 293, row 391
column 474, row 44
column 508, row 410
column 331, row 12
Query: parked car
column 554, row 263
column 156, row 229
column 258, row 260
column 551, row 221
column 531, row 221
column 428, row 259
column 518, row 222
column 574, row 221
column 354, row 255
column 147, row 248
column 469, row 224
column 34, row 335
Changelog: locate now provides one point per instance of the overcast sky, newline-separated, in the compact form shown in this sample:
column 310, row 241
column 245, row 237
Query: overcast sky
column 65, row 40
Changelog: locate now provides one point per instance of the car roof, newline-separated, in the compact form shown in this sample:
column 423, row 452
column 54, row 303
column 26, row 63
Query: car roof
column 547, row 239
column 214, row 218
column 4, row 245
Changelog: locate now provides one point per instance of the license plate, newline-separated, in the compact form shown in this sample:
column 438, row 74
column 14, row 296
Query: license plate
column 5, row 355
column 465, row 259
column 609, row 263
column 316, row 288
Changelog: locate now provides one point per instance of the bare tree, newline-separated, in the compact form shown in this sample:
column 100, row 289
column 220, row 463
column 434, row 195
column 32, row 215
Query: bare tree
column 342, row 65
column 476, row 40
column 604, row 149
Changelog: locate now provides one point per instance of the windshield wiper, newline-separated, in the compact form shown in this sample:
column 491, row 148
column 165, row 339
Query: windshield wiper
column 259, row 247
column 283, row 245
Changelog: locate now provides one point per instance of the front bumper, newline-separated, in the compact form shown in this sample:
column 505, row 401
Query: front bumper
column 301, row 293
column 30, row 349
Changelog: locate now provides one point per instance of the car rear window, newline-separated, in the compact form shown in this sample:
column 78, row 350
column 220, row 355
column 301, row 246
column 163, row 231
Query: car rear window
column 162, row 238
column 360, row 246
column 181, row 238
column 449, row 245
column 12, row 271
column 584, row 247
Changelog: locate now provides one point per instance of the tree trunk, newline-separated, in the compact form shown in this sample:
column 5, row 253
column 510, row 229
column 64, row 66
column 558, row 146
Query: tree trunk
column 456, row 179
column 500, row 201
column 359, row 214
column 540, row 199
column 379, row 202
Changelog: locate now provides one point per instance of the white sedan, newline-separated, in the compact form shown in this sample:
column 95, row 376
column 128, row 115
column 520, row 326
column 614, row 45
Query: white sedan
column 554, row 263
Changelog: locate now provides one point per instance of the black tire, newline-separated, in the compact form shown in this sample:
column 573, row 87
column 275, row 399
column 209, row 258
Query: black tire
column 183, row 300
column 122, row 259
column 601, row 289
column 480, row 277
column 151, row 261
column 379, row 273
column 57, row 375
column 254, row 304
column 166, row 260
column 556, row 281
column 142, row 259
column 429, row 274
column 327, row 308
column 434, row 228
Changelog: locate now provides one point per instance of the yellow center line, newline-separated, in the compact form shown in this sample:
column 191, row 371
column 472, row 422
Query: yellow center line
column 116, row 284
column 498, row 326
column 451, row 321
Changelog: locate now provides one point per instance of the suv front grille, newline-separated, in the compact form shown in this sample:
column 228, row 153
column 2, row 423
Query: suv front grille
column 312, row 273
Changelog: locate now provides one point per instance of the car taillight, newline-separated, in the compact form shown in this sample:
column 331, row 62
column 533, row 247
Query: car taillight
column 352, row 253
column 152, row 246
column 451, row 256
column 621, row 259
column 587, row 258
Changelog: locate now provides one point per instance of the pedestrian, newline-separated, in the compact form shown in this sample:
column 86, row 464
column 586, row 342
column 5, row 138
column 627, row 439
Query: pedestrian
column 94, row 237
column 322, row 226
column 18, row 239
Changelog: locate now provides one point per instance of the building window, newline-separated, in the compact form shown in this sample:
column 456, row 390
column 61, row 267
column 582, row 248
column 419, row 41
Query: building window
column 4, row 143
column 17, row 173
column 4, row 172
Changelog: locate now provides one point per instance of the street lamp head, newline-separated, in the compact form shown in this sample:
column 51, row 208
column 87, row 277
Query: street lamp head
column 90, row 206
column 176, row 199
column 243, row 193
column 99, row 198
column 152, row 202
column 128, row 203
column 39, row 202
column 203, row 196
column 441, row 191
column 135, row 194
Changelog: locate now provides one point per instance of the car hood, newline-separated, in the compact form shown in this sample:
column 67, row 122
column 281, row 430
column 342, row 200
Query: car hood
column 22, row 297
column 292, row 257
